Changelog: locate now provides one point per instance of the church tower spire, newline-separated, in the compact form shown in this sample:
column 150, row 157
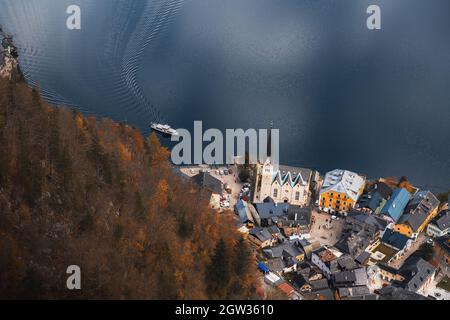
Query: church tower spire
column 269, row 141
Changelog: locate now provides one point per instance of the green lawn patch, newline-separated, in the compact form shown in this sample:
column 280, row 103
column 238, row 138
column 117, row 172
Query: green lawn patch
column 444, row 284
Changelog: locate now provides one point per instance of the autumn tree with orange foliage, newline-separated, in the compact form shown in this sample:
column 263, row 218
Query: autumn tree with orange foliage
column 95, row 193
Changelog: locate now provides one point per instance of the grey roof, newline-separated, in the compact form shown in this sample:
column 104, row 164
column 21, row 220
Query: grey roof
column 299, row 281
column 346, row 262
column 383, row 189
column 273, row 252
column 416, row 272
column 261, row 234
column 363, row 257
column 293, row 175
column 344, row 278
column 300, row 215
column 273, row 230
column 291, row 250
column 243, row 211
column 365, row 220
column 394, row 239
column 267, row 210
column 442, row 220
column 352, row 292
column 372, row 201
column 361, row 276
column 375, row 196
column 210, row 183
column 359, row 229
column 276, row 265
column 319, row 284
column 326, row 294
column 357, row 277
column 369, row 296
column 353, row 244
column 287, row 250
column 396, row 293
column 418, row 209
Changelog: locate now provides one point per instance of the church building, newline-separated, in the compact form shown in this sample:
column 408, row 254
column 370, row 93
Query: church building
column 284, row 185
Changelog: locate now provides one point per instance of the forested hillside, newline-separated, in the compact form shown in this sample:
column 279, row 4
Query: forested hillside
column 78, row 190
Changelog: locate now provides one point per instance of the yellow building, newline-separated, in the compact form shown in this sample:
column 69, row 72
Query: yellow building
column 340, row 191
column 418, row 213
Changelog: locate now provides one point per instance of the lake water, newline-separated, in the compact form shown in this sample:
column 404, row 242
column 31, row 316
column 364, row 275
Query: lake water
column 376, row 102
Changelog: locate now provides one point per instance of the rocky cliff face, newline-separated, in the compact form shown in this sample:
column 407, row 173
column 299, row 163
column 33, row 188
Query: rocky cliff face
column 8, row 56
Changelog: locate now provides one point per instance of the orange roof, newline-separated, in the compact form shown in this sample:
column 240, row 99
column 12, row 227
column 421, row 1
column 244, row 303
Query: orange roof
column 286, row 288
column 328, row 256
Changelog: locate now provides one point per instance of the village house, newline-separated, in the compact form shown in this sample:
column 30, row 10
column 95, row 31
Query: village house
column 415, row 275
column 284, row 185
column 297, row 221
column 261, row 237
column 350, row 278
column 375, row 198
column 355, row 293
column 288, row 290
column 273, row 279
column 304, row 285
column 324, row 294
column 210, row 185
column 442, row 253
column 389, row 274
column 440, row 225
column 326, row 259
column 419, row 212
column 285, row 256
column 340, row 191
column 270, row 212
column 276, row 265
column 309, row 271
column 391, row 246
column 360, row 230
column 399, row 294
column 307, row 247
column 394, row 207
column 247, row 213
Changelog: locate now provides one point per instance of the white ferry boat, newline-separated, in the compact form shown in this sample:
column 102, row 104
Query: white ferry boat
column 164, row 129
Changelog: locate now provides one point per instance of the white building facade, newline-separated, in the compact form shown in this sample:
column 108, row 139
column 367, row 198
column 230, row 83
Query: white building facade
column 287, row 184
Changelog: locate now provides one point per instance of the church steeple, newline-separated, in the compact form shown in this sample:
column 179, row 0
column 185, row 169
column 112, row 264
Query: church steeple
column 269, row 141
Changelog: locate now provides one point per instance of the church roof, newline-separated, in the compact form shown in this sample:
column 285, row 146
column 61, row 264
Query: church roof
column 292, row 176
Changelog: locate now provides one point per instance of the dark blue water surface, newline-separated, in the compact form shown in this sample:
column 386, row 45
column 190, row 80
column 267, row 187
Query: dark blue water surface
column 376, row 102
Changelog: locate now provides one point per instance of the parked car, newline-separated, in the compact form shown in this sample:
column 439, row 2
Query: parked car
column 334, row 218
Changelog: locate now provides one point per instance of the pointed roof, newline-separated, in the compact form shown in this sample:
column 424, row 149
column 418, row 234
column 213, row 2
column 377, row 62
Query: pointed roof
column 292, row 176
